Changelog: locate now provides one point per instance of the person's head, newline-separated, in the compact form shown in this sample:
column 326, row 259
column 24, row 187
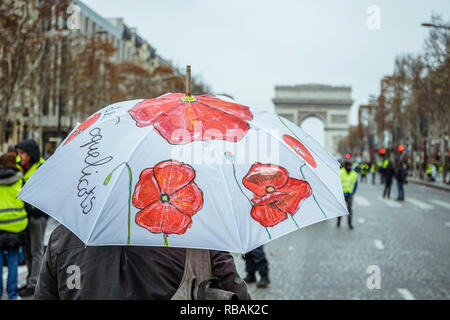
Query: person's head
column 8, row 160
column 28, row 151
column 11, row 148
column 348, row 165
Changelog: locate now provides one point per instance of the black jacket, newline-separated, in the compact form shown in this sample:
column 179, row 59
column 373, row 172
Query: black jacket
column 389, row 173
column 122, row 272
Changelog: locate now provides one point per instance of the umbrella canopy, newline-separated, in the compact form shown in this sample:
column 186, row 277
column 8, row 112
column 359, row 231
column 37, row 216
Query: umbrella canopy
column 187, row 171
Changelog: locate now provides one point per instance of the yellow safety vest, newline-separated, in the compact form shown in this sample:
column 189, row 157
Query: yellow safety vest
column 385, row 164
column 32, row 169
column 18, row 164
column 13, row 217
column 348, row 180
column 429, row 169
column 372, row 168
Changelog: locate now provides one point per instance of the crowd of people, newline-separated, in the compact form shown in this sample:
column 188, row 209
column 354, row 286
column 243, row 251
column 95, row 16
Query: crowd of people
column 22, row 226
column 388, row 172
column 352, row 172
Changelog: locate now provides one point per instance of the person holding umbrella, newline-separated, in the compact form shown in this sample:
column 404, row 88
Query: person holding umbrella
column 119, row 192
column 349, row 180
column 72, row 271
column 30, row 161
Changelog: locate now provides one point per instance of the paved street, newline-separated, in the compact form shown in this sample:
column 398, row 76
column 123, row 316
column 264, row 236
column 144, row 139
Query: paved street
column 409, row 242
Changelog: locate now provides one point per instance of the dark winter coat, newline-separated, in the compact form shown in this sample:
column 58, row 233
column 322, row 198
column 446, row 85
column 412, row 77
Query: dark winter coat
column 31, row 147
column 122, row 272
column 401, row 174
column 389, row 173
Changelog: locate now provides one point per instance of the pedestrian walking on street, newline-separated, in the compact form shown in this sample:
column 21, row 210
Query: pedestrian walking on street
column 255, row 261
column 373, row 171
column 30, row 161
column 72, row 271
column 400, row 175
column 389, row 173
column 364, row 171
column 13, row 221
column 349, row 180
column 381, row 171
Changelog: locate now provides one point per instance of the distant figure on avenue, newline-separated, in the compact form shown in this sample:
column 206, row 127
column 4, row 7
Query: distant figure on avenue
column 349, row 181
column 400, row 175
column 13, row 221
column 255, row 261
column 30, row 161
column 373, row 171
column 72, row 271
column 364, row 171
column 389, row 173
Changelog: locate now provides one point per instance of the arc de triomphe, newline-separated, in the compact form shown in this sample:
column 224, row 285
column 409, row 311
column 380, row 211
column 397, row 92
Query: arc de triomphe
column 330, row 104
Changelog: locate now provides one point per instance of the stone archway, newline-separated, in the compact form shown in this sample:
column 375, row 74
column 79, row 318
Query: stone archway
column 315, row 126
column 330, row 104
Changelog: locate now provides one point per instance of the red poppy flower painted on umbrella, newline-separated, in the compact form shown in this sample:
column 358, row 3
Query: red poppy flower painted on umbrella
column 181, row 119
column 275, row 193
column 300, row 149
column 83, row 126
column 168, row 197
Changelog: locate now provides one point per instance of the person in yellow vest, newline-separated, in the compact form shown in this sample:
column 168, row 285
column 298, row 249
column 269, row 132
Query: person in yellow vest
column 31, row 160
column 349, row 181
column 380, row 171
column 364, row 171
column 13, row 221
column 429, row 171
column 12, row 150
column 373, row 171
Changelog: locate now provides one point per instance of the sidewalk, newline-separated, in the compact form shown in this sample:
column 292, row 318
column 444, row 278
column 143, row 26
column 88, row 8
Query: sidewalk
column 436, row 185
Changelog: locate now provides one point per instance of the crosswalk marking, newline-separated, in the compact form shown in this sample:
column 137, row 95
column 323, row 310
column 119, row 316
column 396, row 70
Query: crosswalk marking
column 390, row 203
column 379, row 244
column 361, row 220
column 440, row 203
column 447, row 224
column 406, row 294
column 361, row 201
column 421, row 204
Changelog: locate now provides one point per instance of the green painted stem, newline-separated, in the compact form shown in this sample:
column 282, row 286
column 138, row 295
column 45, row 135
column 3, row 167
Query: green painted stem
column 130, row 191
column 242, row 191
column 292, row 217
column 166, row 243
column 314, row 197
column 270, row 237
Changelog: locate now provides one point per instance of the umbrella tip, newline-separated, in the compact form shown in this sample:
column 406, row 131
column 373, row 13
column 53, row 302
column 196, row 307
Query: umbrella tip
column 188, row 97
column 188, row 80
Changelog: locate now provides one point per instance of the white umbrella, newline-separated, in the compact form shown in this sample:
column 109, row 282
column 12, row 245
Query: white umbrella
column 195, row 172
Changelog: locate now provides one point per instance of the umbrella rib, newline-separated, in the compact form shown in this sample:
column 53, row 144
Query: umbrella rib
column 291, row 150
column 115, row 182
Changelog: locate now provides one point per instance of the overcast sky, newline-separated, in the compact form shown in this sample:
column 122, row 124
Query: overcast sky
column 246, row 47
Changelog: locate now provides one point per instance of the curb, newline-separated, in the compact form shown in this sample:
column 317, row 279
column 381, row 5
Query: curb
column 431, row 185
